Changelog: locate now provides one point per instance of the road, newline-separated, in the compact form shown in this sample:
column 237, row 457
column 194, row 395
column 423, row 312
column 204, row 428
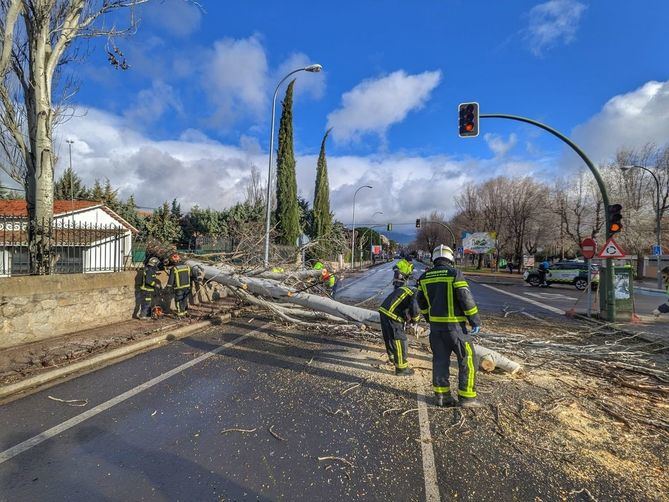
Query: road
column 255, row 411
column 493, row 294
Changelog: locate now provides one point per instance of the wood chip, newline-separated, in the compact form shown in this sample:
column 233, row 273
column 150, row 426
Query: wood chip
column 70, row 402
column 355, row 385
column 239, row 430
column 275, row 434
column 409, row 411
column 338, row 459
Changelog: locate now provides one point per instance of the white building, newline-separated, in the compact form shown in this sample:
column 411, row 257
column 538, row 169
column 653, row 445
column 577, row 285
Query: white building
column 87, row 237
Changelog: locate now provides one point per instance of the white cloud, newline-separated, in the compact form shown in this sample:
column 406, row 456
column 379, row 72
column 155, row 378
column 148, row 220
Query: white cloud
column 308, row 83
column 498, row 145
column 196, row 169
column 627, row 120
column 176, row 17
column 151, row 103
column 235, row 78
column 376, row 104
column 552, row 23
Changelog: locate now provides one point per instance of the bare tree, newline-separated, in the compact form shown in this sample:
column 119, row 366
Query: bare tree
column 254, row 190
column 431, row 235
column 37, row 37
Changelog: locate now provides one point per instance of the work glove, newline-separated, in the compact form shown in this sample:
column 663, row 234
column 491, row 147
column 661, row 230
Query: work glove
column 475, row 330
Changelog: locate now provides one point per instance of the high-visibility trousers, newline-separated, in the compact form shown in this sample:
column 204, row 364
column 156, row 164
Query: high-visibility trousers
column 445, row 339
column 145, row 300
column 396, row 341
column 181, row 300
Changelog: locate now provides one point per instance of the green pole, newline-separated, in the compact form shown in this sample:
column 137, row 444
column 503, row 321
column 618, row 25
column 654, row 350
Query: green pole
column 455, row 243
column 608, row 272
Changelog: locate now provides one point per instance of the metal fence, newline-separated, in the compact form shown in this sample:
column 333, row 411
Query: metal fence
column 76, row 247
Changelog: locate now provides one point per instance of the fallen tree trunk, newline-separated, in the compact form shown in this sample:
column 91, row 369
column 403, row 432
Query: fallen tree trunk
column 272, row 290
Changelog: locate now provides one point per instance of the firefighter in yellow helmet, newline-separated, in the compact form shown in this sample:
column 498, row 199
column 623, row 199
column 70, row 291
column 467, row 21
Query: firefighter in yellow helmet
column 447, row 303
column 402, row 272
column 179, row 281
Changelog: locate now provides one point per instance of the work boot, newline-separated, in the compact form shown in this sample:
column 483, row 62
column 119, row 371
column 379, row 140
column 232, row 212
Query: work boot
column 444, row 400
column 142, row 317
column 404, row 371
column 469, row 402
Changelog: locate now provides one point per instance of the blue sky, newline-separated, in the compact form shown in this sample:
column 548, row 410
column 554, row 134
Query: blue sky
column 191, row 115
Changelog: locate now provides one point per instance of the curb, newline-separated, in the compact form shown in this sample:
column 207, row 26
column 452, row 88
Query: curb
column 151, row 342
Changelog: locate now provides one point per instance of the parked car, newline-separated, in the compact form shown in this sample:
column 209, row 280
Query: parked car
column 565, row 272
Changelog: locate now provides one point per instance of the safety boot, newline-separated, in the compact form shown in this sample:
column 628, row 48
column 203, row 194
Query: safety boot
column 444, row 400
column 469, row 402
column 404, row 371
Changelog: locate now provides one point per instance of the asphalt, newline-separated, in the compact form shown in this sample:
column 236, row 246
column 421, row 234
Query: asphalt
column 167, row 443
column 273, row 413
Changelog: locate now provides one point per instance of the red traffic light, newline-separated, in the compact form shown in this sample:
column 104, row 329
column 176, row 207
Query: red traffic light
column 468, row 121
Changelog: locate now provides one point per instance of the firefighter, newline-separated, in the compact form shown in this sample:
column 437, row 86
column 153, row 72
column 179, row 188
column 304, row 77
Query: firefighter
column 179, row 281
column 446, row 302
column 402, row 272
column 147, row 289
column 397, row 309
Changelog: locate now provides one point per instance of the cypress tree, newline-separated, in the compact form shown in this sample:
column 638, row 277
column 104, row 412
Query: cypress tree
column 322, row 216
column 287, row 210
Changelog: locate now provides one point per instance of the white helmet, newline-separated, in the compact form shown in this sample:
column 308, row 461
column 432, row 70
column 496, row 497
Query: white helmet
column 442, row 251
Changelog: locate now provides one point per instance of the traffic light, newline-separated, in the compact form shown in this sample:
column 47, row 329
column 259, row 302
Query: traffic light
column 469, row 120
column 615, row 219
column 418, row 223
column 389, row 227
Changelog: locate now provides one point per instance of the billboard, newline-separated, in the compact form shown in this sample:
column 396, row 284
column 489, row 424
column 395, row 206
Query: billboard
column 479, row 242
column 376, row 249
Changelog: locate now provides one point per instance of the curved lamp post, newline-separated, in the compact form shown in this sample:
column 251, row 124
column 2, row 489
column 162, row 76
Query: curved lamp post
column 353, row 236
column 313, row 68
column 658, row 218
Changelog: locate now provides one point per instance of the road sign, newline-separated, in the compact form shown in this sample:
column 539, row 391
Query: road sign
column 657, row 250
column 611, row 250
column 588, row 248
column 461, row 250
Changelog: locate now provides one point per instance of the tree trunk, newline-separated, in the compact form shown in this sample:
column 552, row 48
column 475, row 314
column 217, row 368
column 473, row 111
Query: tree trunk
column 39, row 186
column 272, row 290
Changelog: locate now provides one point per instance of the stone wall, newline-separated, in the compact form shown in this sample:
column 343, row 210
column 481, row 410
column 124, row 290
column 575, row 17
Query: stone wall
column 33, row 308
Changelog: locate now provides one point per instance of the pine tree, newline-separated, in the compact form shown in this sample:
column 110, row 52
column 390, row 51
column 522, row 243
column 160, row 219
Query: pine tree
column 287, row 210
column 322, row 217
column 97, row 193
column 163, row 226
column 110, row 196
column 69, row 186
column 176, row 209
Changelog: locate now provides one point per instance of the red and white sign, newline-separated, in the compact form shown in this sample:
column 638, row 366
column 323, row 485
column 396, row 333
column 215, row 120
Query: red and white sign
column 611, row 250
column 588, row 248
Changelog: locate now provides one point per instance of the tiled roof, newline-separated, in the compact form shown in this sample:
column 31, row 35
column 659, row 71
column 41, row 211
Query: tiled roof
column 20, row 207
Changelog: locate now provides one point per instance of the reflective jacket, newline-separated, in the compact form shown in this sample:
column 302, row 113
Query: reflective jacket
column 444, row 297
column 148, row 279
column 179, row 277
column 400, row 305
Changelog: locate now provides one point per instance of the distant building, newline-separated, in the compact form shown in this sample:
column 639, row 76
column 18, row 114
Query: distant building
column 87, row 237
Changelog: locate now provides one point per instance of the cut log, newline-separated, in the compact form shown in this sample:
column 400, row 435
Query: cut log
column 271, row 290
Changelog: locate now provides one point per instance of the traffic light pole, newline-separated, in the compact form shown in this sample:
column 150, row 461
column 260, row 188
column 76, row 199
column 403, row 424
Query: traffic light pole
column 608, row 271
column 455, row 243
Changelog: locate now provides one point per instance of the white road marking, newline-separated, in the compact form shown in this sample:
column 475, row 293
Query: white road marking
column 429, row 466
column 76, row 420
column 533, row 302
column 551, row 296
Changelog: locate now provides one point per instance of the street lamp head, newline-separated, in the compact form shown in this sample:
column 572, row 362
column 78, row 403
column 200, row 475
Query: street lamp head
column 313, row 68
